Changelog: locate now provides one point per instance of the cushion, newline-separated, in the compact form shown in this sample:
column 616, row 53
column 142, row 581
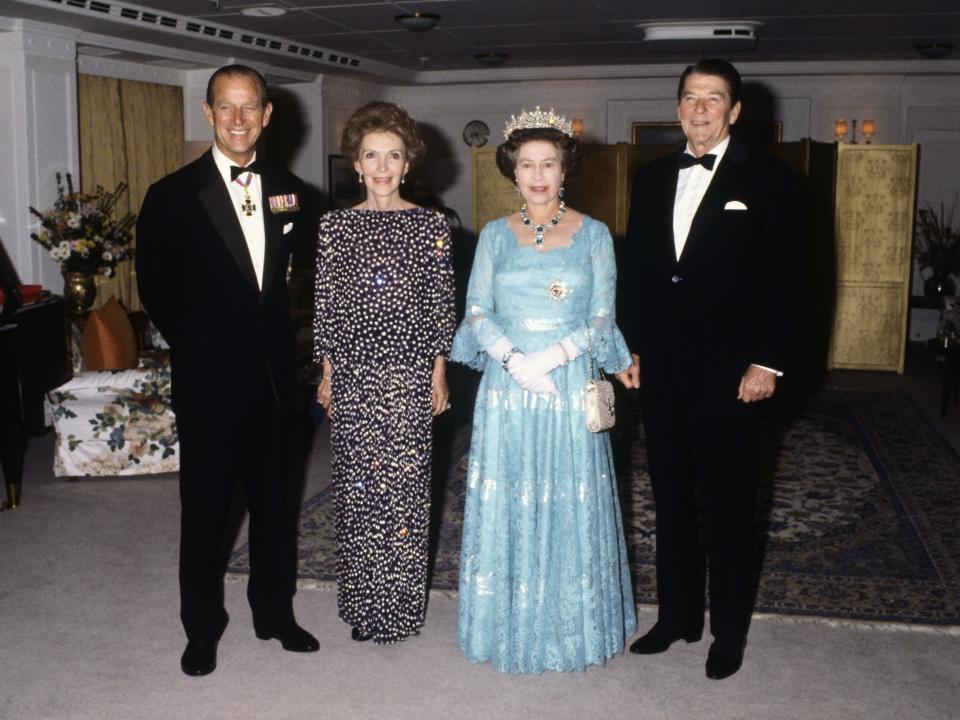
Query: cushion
column 108, row 340
column 107, row 380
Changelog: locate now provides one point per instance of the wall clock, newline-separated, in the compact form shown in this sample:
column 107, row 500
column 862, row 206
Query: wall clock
column 476, row 133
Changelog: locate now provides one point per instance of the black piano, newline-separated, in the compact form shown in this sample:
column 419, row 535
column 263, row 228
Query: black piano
column 33, row 361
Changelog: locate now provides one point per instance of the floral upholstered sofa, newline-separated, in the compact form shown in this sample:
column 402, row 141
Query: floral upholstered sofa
column 115, row 422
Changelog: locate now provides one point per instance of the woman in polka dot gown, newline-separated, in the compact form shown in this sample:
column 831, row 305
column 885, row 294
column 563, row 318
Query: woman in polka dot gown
column 384, row 323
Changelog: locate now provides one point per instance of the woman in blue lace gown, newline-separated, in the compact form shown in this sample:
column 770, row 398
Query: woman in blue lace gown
column 544, row 582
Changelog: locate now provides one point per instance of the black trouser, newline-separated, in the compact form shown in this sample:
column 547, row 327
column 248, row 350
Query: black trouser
column 218, row 448
column 696, row 454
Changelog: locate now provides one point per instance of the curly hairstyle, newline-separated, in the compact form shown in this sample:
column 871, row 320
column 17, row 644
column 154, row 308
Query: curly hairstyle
column 380, row 116
column 568, row 147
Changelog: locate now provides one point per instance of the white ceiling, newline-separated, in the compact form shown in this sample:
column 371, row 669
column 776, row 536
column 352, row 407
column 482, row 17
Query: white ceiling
column 363, row 36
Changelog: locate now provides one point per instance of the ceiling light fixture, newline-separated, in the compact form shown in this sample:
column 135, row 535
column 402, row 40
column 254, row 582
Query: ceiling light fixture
column 264, row 11
column 934, row 51
column 717, row 36
column 418, row 22
column 491, row 60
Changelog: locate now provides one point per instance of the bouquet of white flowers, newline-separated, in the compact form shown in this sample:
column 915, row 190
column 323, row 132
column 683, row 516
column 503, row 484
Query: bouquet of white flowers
column 81, row 232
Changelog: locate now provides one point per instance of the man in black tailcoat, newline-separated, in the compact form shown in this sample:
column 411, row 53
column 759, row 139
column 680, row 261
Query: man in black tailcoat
column 709, row 269
column 213, row 245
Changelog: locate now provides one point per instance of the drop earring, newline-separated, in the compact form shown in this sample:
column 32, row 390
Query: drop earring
column 561, row 192
column 360, row 178
column 516, row 189
column 403, row 178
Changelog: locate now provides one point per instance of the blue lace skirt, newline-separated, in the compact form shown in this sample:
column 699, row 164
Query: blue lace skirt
column 544, row 581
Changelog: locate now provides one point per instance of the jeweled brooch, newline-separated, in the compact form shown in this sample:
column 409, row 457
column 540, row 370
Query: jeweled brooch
column 558, row 291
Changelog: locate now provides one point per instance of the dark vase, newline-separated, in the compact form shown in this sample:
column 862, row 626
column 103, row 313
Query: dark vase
column 79, row 291
column 937, row 286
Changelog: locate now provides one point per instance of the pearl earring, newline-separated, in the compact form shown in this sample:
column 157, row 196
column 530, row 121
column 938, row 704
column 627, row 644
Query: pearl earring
column 360, row 177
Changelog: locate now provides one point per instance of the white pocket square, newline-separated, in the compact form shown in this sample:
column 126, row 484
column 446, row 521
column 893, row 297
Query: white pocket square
column 734, row 205
column 287, row 228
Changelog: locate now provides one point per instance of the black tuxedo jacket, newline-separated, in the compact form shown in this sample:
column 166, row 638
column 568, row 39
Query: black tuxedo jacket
column 197, row 282
column 700, row 321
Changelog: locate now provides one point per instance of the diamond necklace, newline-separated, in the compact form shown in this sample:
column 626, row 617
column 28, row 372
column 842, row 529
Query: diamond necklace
column 538, row 229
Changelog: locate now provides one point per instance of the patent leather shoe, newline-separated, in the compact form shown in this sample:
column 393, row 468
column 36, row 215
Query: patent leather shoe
column 292, row 637
column 658, row 640
column 199, row 658
column 355, row 634
column 722, row 662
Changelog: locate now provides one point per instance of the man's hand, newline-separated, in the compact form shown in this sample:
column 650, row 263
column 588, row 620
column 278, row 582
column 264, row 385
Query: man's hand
column 756, row 384
column 631, row 376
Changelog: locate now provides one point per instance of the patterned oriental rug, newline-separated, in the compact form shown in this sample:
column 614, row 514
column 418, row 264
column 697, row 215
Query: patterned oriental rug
column 859, row 513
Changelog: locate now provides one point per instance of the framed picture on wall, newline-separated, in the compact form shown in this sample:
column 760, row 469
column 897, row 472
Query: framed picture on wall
column 345, row 190
column 669, row 133
column 656, row 133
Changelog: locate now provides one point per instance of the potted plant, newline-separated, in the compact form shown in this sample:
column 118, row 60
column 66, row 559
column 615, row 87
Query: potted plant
column 84, row 235
column 938, row 248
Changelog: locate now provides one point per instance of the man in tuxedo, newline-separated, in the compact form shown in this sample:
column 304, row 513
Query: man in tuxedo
column 709, row 263
column 213, row 245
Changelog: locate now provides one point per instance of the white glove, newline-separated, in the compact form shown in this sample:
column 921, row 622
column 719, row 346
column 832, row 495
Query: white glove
column 570, row 348
column 543, row 386
column 537, row 364
column 538, row 384
column 500, row 348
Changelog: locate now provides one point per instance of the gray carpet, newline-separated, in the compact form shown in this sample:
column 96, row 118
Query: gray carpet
column 89, row 630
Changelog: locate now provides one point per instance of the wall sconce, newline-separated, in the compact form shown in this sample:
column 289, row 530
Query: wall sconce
column 840, row 129
column 576, row 125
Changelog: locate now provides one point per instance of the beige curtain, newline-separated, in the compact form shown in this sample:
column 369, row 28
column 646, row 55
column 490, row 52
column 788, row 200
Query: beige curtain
column 130, row 132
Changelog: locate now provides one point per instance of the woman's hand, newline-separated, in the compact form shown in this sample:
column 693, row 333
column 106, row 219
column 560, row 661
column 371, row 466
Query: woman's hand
column 439, row 392
column 324, row 394
column 530, row 379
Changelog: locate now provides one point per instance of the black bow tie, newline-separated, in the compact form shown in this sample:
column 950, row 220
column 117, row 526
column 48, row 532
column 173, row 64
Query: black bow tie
column 687, row 160
column 236, row 171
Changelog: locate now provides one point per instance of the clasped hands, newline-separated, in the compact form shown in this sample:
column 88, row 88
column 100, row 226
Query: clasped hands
column 531, row 371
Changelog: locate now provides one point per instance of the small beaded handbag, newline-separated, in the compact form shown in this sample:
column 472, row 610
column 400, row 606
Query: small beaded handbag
column 598, row 399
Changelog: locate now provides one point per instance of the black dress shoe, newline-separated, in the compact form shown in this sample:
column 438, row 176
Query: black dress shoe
column 658, row 640
column 355, row 634
column 292, row 637
column 200, row 657
column 722, row 662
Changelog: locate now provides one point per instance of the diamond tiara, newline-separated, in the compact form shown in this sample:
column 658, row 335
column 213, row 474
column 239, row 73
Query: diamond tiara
column 537, row 118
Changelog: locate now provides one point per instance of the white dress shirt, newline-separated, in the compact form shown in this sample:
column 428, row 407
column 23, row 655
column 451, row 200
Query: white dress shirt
column 692, row 184
column 252, row 225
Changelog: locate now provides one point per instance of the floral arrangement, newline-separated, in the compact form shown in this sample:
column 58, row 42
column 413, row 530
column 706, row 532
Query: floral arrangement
column 81, row 232
column 938, row 243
